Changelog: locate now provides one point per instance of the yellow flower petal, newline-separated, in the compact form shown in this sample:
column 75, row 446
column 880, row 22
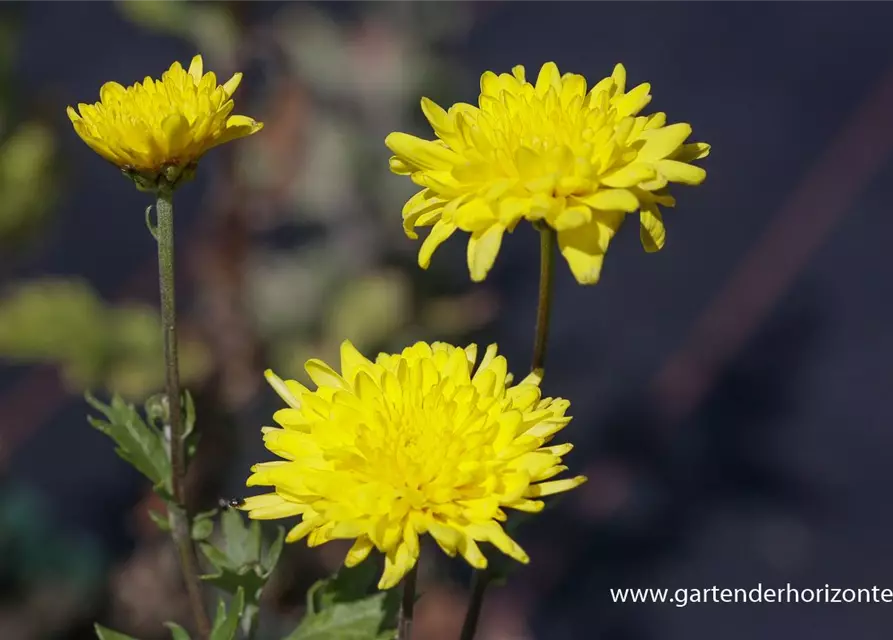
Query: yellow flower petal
column 612, row 200
column 652, row 232
column 360, row 550
column 409, row 444
column 584, row 247
column 230, row 86
column 152, row 125
column 628, row 176
column 680, row 172
column 553, row 487
column 282, row 389
column 660, row 143
column 542, row 152
column 483, row 246
column 440, row 232
column 548, row 78
column 323, row 375
column 421, row 153
column 619, row 77
column 196, row 69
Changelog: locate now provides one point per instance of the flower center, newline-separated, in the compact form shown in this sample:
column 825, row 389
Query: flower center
column 423, row 446
column 555, row 145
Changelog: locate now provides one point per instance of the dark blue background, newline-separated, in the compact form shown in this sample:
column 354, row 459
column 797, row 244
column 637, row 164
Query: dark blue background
column 779, row 473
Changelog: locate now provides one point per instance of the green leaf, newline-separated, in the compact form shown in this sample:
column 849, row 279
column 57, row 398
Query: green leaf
column 138, row 443
column 107, row 634
column 177, row 632
column 347, row 606
column 270, row 555
column 242, row 562
column 242, row 543
column 227, row 623
column 248, row 578
column 347, row 585
column 160, row 520
column 363, row 619
column 215, row 556
column 203, row 525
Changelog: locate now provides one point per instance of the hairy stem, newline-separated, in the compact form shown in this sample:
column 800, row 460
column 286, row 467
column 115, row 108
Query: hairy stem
column 179, row 515
column 404, row 622
column 481, row 578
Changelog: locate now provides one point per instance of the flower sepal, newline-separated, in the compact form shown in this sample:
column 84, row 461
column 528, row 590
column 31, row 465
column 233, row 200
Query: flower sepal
column 167, row 180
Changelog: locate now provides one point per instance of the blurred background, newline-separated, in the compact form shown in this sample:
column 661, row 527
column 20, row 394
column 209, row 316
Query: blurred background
column 731, row 393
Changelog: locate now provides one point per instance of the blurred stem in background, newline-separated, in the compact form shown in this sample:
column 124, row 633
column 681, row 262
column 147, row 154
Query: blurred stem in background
column 178, row 510
column 481, row 579
column 407, row 604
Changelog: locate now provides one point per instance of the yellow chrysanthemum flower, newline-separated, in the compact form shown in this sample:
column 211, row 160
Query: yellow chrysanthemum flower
column 161, row 127
column 416, row 442
column 549, row 153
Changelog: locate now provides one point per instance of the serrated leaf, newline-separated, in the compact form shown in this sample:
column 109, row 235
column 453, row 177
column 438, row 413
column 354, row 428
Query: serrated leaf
column 137, row 442
column 241, row 543
column 247, row 578
column 177, row 632
column 226, row 623
column 270, row 555
column 202, row 529
column 242, row 562
column 203, row 525
column 215, row 556
column 107, row 634
column 363, row 619
column 347, row 606
column 160, row 520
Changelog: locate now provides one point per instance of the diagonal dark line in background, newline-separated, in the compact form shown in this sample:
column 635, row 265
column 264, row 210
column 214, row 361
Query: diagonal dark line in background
column 853, row 158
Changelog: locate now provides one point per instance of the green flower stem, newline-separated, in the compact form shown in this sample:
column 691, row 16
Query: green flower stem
column 481, row 579
column 544, row 306
column 178, row 513
column 404, row 622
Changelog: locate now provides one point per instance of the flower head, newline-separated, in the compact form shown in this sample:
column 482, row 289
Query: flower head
column 416, row 442
column 548, row 152
column 161, row 127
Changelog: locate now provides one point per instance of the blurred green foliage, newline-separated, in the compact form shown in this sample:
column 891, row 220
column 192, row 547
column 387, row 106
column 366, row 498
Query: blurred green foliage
column 27, row 148
column 210, row 25
column 26, row 180
column 95, row 344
